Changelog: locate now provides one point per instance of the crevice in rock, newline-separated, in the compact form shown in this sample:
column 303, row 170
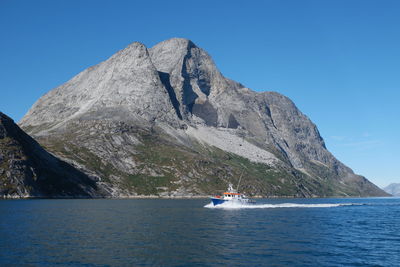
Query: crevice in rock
column 164, row 77
column 268, row 111
column 188, row 94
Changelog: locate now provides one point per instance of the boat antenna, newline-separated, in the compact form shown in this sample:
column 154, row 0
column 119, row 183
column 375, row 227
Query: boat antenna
column 237, row 190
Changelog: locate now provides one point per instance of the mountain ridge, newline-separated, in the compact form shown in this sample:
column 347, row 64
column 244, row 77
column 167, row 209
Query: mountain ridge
column 174, row 95
column 27, row 170
column 393, row 189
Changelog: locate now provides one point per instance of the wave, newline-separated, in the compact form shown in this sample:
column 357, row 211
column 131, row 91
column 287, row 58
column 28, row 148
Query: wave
column 235, row 205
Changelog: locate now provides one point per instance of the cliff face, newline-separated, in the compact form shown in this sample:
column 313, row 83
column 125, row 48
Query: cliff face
column 165, row 121
column 27, row 170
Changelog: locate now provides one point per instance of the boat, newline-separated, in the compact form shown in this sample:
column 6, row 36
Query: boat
column 232, row 196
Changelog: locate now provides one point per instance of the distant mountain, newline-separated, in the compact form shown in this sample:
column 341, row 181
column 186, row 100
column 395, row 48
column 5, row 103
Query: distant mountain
column 393, row 189
column 164, row 121
column 27, row 170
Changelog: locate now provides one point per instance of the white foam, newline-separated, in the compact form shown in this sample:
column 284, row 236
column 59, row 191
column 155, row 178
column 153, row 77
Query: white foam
column 233, row 205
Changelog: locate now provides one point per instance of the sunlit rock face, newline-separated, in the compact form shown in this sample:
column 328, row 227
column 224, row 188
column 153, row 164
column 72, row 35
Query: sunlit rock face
column 165, row 121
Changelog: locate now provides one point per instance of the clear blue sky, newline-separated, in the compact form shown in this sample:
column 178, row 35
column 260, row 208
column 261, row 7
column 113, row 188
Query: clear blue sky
column 339, row 61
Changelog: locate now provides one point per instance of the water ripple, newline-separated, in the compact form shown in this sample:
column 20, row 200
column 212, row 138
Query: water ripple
column 277, row 232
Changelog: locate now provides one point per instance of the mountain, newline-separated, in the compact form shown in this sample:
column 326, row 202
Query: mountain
column 164, row 121
column 27, row 170
column 393, row 189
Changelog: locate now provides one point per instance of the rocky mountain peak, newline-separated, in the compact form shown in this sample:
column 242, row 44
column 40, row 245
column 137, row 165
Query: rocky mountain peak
column 393, row 189
column 135, row 52
column 192, row 75
column 127, row 86
column 174, row 95
column 167, row 54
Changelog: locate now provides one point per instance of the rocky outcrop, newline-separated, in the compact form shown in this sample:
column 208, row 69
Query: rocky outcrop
column 393, row 189
column 27, row 170
column 165, row 121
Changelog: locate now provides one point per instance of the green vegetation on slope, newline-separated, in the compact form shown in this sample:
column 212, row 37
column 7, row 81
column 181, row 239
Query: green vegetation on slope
column 161, row 167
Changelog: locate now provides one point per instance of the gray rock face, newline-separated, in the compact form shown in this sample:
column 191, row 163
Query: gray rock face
column 393, row 189
column 193, row 77
column 268, row 117
column 174, row 95
column 27, row 170
column 124, row 87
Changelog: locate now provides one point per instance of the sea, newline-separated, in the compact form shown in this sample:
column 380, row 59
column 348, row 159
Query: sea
column 191, row 232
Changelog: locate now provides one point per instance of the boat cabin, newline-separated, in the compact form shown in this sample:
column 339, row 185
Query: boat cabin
column 232, row 195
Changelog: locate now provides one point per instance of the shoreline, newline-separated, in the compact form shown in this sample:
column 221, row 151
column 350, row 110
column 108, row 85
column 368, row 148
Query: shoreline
column 177, row 197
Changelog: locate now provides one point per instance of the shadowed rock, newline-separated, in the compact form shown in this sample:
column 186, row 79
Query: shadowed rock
column 27, row 170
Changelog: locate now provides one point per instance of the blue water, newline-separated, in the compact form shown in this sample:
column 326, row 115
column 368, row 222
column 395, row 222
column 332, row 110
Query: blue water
column 364, row 232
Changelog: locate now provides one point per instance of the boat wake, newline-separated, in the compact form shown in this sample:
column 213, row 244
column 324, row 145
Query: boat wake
column 230, row 205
